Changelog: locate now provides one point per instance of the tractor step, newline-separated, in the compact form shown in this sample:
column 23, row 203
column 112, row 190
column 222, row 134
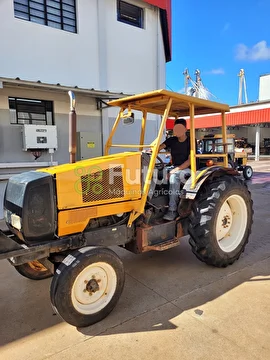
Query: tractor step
column 164, row 245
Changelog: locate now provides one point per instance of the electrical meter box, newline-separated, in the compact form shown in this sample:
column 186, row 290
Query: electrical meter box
column 89, row 145
column 41, row 137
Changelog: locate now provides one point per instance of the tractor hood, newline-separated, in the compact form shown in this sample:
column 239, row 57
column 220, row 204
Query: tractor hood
column 97, row 181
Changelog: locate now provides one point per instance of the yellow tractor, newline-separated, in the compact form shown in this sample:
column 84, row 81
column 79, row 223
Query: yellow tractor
column 63, row 219
column 237, row 158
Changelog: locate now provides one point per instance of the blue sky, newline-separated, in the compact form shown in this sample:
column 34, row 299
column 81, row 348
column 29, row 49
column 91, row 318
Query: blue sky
column 219, row 38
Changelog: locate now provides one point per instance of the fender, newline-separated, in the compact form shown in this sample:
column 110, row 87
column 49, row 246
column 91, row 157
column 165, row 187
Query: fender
column 201, row 176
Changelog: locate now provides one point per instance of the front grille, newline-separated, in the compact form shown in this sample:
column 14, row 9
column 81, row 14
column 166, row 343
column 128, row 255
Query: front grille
column 38, row 211
column 104, row 185
column 30, row 196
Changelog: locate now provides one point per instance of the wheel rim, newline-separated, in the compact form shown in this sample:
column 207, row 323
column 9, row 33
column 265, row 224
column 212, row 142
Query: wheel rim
column 37, row 266
column 94, row 288
column 231, row 223
column 248, row 172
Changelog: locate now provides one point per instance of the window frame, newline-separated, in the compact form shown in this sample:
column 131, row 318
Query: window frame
column 33, row 7
column 47, row 104
column 141, row 20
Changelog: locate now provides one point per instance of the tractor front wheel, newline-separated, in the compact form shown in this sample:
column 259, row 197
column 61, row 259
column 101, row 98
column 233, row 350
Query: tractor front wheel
column 34, row 270
column 87, row 285
column 247, row 172
column 221, row 221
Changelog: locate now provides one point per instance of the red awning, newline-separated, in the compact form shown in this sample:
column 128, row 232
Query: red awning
column 232, row 119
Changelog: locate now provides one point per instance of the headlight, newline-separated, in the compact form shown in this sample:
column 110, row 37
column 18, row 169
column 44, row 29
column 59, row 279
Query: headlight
column 16, row 221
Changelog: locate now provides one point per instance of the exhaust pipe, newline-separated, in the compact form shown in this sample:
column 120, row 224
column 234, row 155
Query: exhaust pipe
column 72, row 128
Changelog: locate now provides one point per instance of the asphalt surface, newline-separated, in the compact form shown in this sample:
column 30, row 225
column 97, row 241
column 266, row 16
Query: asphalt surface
column 173, row 306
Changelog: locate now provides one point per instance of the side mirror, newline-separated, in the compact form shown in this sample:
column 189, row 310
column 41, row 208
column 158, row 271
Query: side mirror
column 129, row 119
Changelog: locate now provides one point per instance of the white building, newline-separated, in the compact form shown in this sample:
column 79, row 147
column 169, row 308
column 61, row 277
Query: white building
column 99, row 49
column 264, row 87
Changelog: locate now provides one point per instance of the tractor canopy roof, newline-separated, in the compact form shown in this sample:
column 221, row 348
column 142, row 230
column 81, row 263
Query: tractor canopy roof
column 156, row 102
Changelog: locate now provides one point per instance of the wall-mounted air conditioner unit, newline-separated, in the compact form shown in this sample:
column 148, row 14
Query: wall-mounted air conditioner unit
column 42, row 137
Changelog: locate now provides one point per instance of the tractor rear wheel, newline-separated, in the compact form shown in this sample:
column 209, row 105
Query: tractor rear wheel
column 221, row 221
column 87, row 285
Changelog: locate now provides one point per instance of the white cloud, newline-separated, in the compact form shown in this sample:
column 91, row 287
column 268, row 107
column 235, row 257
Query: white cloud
column 219, row 71
column 225, row 28
column 259, row 51
column 181, row 91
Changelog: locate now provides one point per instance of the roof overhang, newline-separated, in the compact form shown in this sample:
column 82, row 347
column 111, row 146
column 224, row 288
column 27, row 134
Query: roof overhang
column 260, row 114
column 38, row 85
column 166, row 24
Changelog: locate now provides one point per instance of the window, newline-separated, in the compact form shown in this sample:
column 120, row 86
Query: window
column 60, row 14
column 129, row 14
column 220, row 147
column 28, row 111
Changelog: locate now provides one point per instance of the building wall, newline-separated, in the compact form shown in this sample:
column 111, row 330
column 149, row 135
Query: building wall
column 88, row 119
column 264, row 87
column 135, row 58
column 104, row 54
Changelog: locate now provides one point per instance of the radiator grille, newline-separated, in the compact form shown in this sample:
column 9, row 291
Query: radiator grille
column 104, row 185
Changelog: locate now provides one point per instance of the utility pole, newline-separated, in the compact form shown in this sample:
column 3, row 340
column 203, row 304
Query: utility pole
column 198, row 82
column 242, row 83
column 187, row 78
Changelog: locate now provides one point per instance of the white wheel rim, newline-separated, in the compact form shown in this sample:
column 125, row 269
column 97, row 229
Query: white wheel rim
column 99, row 277
column 249, row 172
column 231, row 223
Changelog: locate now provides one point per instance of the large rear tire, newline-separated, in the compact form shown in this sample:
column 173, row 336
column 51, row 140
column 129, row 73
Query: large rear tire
column 34, row 270
column 221, row 221
column 87, row 285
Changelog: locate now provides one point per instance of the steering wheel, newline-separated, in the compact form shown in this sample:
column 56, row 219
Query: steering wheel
column 158, row 165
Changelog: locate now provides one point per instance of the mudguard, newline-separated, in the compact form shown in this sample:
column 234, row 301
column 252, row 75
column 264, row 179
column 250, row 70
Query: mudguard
column 202, row 175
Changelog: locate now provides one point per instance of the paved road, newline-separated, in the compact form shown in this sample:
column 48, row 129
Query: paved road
column 173, row 306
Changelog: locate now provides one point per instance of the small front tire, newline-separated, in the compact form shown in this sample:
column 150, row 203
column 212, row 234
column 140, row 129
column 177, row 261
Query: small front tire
column 34, row 270
column 247, row 172
column 87, row 285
